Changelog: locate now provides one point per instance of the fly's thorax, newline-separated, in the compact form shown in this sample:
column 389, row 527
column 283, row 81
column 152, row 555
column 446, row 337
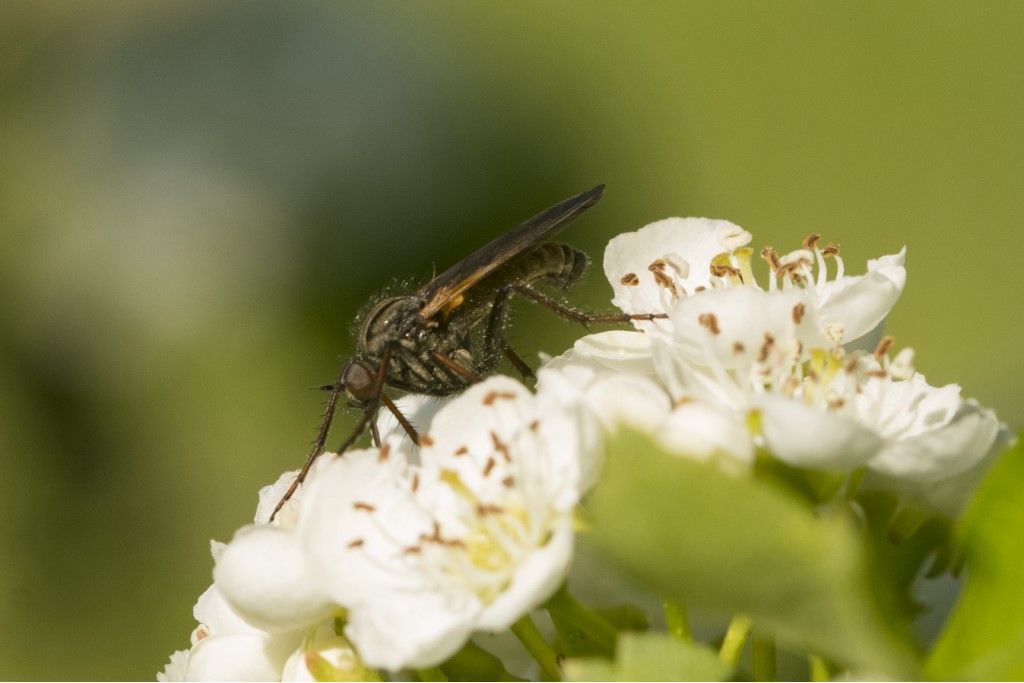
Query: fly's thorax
column 387, row 323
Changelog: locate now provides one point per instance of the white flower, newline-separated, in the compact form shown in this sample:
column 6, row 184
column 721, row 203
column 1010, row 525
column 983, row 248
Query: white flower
column 650, row 269
column 226, row 648
column 420, row 556
column 655, row 268
column 842, row 413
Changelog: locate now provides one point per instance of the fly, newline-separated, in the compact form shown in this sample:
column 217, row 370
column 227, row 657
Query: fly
column 450, row 333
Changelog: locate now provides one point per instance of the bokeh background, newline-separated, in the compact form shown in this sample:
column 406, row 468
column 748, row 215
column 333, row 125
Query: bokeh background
column 195, row 199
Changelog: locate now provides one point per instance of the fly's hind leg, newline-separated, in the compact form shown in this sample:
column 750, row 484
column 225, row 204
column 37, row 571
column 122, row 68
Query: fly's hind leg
column 495, row 344
column 579, row 315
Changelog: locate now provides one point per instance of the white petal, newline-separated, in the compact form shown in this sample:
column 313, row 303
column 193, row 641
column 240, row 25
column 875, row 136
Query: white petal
column 412, row 630
column 628, row 399
column 701, row 431
column 858, row 303
column 219, row 618
column 240, row 658
column 174, row 670
column 695, row 241
column 264, row 574
column 944, row 452
column 271, row 495
column 358, row 516
column 620, row 350
column 418, row 409
column 806, row 436
column 535, row 580
column 503, row 410
column 731, row 328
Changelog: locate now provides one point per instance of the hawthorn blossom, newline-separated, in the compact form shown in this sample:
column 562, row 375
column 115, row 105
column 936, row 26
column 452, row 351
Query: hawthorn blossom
column 419, row 556
column 224, row 646
column 652, row 269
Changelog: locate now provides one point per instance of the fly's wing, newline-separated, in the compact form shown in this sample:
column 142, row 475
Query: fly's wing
column 444, row 288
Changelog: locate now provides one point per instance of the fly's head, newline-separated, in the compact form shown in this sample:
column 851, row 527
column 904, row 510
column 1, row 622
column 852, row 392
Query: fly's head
column 360, row 381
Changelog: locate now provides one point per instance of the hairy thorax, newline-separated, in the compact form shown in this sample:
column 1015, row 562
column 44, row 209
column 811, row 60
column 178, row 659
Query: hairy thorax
column 415, row 344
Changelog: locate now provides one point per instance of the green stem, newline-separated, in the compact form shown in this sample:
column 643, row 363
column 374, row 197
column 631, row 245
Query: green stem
column 762, row 650
column 735, row 637
column 571, row 611
column 819, row 669
column 527, row 633
column 431, row 674
column 677, row 621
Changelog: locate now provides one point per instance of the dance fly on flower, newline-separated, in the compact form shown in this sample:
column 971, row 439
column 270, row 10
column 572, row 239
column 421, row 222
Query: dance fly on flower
column 424, row 343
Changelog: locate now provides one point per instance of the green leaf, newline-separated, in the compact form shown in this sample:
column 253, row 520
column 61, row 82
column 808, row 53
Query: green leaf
column 473, row 663
column 651, row 657
column 984, row 639
column 740, row 545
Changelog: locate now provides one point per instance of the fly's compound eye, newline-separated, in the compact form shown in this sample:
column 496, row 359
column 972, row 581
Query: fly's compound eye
column 359, row 382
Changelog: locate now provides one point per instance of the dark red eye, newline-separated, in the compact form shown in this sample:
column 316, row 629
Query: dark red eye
column 358, row 381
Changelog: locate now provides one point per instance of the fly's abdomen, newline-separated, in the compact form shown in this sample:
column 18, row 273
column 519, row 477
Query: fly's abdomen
column 558, row 264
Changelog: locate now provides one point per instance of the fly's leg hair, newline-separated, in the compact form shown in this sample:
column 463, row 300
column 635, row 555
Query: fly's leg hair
column 578, row 315
column 325, row 426
column 495, row 344
column 525, row 370
column 406, row 425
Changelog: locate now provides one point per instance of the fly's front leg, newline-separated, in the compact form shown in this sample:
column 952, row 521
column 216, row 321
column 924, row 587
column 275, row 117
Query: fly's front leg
column 579, row 315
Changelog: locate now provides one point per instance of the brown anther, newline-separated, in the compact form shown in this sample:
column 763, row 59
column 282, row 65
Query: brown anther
column 509, row 481
column 493, row 396
column 385, row 451
column 491, row 462
column 484, row 509
column 630, row 280
column 883, row 346
column 738, row 347
column 425, row 440
column 722, row 270
column 880, row 374
column 365, row 507
column 535, row 425
column 701, row 288
column 710, row 321
column 798, row 313
column 771, row 257
column 836, row 403
column 412, row 550
column 356, row 543
column 501, row 447
column 811, row 241
column 461, row 450
column 766, row 348
column 201, row 632
column 665, row 281
column 851, row 365
column 415, row 481
column 657, row 265
column 830, row 249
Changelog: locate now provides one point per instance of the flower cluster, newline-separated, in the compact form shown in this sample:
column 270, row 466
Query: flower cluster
column 390, row 558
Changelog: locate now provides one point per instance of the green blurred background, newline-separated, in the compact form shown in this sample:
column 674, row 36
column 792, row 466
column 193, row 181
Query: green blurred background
column 196, row 198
